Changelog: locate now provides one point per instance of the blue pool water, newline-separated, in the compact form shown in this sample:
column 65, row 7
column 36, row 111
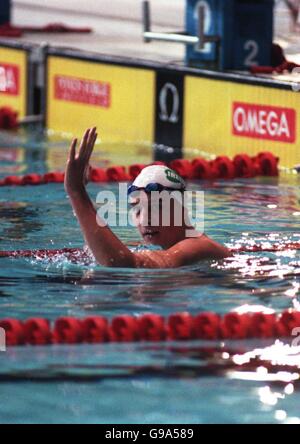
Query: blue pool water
column 197, row 382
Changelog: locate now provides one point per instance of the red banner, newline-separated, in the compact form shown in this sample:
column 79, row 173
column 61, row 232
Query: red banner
column 90, row 92
column 264, row 122
column 9, row 79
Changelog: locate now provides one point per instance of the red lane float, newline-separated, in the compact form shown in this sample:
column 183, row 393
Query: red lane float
column 12, row 180
column 183, row 167
column 32, row 179
column 8, row 118
column 150, row 328
column 54, row 177
column 98, row 175
column 224, row 167
column 203, row 170
column 267, row 164
column 242, row 166
column 117, row 174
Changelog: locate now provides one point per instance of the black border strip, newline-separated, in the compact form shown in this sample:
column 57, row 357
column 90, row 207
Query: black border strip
column 45, row 92
column 247, row 79
column 29, row 82
column 17, row 45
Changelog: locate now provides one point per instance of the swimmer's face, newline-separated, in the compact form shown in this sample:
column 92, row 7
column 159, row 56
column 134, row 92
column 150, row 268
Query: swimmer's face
column 159, row 220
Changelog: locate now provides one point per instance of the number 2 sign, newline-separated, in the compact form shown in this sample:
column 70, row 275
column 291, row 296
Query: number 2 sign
column 252, row 49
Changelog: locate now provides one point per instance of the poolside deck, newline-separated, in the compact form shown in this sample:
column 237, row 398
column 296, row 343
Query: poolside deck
column 117, row 26
column 118, row 29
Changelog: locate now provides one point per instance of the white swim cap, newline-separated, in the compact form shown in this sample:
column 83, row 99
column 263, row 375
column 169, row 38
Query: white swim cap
column 159, row 174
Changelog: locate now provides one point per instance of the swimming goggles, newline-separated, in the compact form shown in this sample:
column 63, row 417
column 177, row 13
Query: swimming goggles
column 150, row 188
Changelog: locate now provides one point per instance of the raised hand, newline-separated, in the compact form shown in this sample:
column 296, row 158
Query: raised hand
column 78, row 165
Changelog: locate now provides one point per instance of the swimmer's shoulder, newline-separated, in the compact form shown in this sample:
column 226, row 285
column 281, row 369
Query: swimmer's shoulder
column 186, row 252
column 202, row 247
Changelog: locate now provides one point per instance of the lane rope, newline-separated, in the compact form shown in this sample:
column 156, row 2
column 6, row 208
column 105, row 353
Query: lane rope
column 242, row 166
column 77, row 255
column 150, row 328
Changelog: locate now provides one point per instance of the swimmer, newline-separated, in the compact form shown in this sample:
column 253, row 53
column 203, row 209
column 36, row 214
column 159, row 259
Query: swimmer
column 181, row 245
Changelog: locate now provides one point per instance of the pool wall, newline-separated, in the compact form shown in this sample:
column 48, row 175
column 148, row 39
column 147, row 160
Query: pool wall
column 149, row 103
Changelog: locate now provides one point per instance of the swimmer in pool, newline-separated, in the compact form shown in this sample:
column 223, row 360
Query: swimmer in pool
column 182, row 245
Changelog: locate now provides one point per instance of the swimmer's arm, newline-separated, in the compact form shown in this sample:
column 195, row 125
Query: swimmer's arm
column 107, row 249
column 187, row 252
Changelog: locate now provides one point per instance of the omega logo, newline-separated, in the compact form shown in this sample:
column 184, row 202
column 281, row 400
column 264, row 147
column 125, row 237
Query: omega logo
column 165, row 115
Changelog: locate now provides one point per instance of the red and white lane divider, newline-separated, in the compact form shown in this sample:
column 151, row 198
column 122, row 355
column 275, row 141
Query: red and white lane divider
column 78, row 254
column 150, row 327
column 242, row 166
column 73, row 254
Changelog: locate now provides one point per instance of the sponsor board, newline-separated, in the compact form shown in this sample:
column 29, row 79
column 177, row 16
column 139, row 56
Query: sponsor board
column 228, row 118
column 13, row 79
column 120, row 100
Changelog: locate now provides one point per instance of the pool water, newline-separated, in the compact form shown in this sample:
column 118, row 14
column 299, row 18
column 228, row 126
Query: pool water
column 197, row 382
